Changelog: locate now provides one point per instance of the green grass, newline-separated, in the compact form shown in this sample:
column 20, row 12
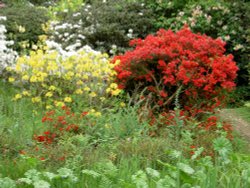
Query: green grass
column 243, row 112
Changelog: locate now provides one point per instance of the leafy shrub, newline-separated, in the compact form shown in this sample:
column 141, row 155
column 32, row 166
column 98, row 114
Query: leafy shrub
column 213, row 18
column 183, row 66
column 24, row 25
column 53, row 78
column 63, row 8
column 105, row 25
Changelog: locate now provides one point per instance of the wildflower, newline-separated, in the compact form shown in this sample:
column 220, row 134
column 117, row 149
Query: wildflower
column 52, row 88
column 79, row 91
column 113, row 86
column 21, row 29
column 59, row 103
column 92, row 111
column 102, row 99
column 26, row 93
column 11, row 79
column 17, row 96
column 92, row 94
column 67, row 99
column 25, row 77
column 98, row 114
column 49, row 94
column 36, row 99
column 86, row 89
column 116, row 92
column 48, row 107
column 122, row 104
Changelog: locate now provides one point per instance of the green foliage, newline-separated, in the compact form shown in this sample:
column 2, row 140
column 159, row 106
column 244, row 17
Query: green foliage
column 24, row 25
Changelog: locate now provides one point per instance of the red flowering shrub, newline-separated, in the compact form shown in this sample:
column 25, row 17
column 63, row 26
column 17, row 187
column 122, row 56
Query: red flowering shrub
column 59, row 122
column 190, row 66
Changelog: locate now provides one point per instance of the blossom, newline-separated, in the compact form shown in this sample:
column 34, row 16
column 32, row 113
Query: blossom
column 169, row 61
column 67, row 99
column 11, row 79
column 92, row 94
column 36, row 99
column 49, row 94
column 17, row 96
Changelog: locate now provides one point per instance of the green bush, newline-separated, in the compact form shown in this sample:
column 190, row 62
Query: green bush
column 24, row 25
column 105, row 25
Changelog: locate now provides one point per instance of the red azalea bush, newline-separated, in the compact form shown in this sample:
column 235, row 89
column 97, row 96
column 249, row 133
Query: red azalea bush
column 184, row 65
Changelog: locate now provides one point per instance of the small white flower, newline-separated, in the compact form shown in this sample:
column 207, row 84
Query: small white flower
column 227, row 38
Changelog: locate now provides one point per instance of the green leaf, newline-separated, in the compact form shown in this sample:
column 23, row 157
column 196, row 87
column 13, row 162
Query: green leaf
column 41, row 184
column 197, row 153
column 185, row 168
column 153, row 173
column 140, row 179
column 25, row 180
column 49, row 175
column 166, row 182
column 7, row 183
column 91, row 173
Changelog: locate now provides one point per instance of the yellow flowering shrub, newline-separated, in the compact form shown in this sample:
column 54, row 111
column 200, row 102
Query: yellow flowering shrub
column 50, row 78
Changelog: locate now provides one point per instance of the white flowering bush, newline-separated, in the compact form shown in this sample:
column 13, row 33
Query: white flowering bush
column 104, row 25
column 7, row 55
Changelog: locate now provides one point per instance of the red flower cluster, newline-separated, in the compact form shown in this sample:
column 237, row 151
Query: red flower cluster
column 58, row 123
column 167, row 61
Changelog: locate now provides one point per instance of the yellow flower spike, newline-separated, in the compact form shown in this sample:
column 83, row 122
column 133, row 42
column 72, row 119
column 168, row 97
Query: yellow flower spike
column 79, row 82
column 98, row 114
column 49, row 107
column 117, row 62
column 92, row 94
column 79, row 91
column 85, row 77
column 49, row 94
column 9, row 68
column 113, row 86
column 115, row 92
column 108, row 90
column 78, row 75
column 92, row 111
column 33, row 79
column 36, row 99
column 25, row 77
column 17, row 96
column 34, row 112
column 59, row 103
column 86, row 89
column 102, row 99
column 122, row 104
column 21, row 29
column 52, row 88
column 67, row 99
column 26, row 93
column 11, row 79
